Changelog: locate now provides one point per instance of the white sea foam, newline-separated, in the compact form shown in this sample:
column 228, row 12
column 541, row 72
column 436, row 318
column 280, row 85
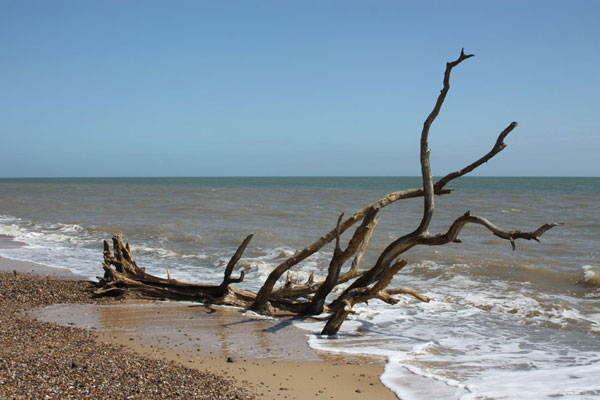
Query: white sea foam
column 74, row 247
column 200, row 256
column 155, row 251
column 30, row 232
column 591, row 275
column 264, row 264
column 474, row 341
column 478, row 337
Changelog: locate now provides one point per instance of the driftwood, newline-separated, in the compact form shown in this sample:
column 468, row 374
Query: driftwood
column 124, row 278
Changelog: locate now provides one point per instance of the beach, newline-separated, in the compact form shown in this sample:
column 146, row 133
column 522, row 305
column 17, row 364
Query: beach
column 540, row 301
column 117, row 359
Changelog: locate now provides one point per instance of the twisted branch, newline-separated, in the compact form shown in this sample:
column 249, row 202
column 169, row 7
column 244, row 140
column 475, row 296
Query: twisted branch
column 128, row 278
column 362, row 295
column 265, row 291
column 466, row 218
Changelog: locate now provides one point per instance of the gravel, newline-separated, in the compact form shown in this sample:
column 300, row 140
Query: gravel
column 41, row 360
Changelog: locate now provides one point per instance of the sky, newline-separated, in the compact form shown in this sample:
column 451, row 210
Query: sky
column 296, row 88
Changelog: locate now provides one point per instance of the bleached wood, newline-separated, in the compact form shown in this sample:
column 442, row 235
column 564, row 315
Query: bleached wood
column 123, row 277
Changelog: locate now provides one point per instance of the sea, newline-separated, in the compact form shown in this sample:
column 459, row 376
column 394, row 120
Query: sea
column 501, row 324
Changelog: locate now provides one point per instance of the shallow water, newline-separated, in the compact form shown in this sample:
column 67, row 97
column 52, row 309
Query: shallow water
column 201, row 329
column 502, row 324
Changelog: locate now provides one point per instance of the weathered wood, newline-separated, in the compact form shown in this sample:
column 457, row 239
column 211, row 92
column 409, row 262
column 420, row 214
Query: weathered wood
column 338, row 259
column 412, row 292
column 128, row 279
column 466, row 218
column 362, row 295
column 363, row 247
column 265, row 291
column 498, row 147
column 406, row 242
column 294, row 291
column 428, row 188
column 229, row 269
column 318, row 301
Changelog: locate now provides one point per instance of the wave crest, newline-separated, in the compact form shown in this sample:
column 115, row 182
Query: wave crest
column 591, row 275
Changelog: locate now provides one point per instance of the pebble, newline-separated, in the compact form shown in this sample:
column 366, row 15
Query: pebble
column 40, row 360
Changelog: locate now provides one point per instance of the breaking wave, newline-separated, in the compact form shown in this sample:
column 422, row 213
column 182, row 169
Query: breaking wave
column 591, row 275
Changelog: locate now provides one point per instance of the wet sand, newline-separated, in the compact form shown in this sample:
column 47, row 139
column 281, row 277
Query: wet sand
column 269, row 357
column 40, row 360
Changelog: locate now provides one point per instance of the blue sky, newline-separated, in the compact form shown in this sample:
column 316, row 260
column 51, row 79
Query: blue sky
column 295, row 88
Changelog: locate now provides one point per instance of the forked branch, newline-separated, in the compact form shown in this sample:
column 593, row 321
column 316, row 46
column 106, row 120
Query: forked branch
column 234, row 259
column 362, row 295
column 265, row 291
column 126, row 278
column 424, row 149
column 339, row 258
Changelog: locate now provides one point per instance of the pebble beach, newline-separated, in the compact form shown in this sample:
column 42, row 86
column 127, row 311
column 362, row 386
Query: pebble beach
column 41, row 360
column 44, row 357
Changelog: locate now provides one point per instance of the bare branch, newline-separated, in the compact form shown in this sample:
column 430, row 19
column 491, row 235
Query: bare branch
column 294, row 291
column 424, row 152
column 387, row 277
column 460, row 222
column 234, row 259
column 122, row 258
column 383, row 263
column 128, row 279
column 363, row 247
column 362, row 295
column 338, row 260
column 406, row 242
column 337, row 250
column 316, row 305
column 412, row 292
column 265, row 291
column 356, row 244
column 498, row 147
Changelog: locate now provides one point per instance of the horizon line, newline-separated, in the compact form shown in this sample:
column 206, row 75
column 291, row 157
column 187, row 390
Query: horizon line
column 288, row 176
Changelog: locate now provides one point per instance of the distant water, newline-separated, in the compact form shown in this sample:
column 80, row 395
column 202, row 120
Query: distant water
column 502, row 324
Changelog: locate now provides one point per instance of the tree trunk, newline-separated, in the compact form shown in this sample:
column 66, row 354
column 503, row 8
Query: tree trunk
column 128, row 280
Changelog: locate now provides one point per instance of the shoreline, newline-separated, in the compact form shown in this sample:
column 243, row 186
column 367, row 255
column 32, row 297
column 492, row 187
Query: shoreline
column 21, row 266
column 302, row 373
column 46, row 360
column 29, row 267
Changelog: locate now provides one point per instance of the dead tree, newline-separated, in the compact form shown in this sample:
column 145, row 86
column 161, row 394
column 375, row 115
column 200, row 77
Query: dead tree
column 310, row 298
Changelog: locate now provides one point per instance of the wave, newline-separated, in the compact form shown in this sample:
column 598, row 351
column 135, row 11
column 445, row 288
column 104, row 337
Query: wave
column 475, row 332
column 31, row 232
column 78, row 248
column 591, row 275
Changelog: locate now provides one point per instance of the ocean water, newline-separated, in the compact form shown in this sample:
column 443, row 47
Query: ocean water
column 501, row 324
